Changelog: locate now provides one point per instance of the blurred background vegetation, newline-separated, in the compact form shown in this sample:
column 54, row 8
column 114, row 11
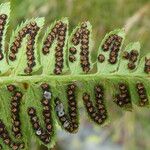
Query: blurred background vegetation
column 130, row 130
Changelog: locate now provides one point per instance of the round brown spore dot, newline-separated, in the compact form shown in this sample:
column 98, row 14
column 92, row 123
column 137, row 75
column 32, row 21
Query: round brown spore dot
column 112, row 60
column 17, row 43
column 83, row 25
column 131, row 65
column 30, row 57
column 14, row 49
column 3, row 16
column 45, row 137
column 18, row 94
column 1, row 56
column 57, row 70
column 15, row 129
column 77, row 35
column 31, row 64
column 134, row 53
column 31, row 111
column 59, row 65
column 147, row 65
column 54, row 29
column 113, row 53
column 122, row 87
column 45, row 50
column 7, row 141
column 58, row 53
column 12, row 56
column 21, row 145
column 72, row 50
column 72, row 58
column 86, row 69
column 15, row 146
column 58, row 24
column 72, row 86
column 59, row 59
column 101, row 58
column 86, row 97
column 85, row 53
column 45, row 87
column 85, row 41
column 84, row 47
column 29, row 52
column 11, row 88
column 28, row 70
column 1, row 27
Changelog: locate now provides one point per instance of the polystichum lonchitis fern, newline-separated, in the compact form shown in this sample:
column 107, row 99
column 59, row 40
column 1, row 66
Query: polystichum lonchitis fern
column 43, row 82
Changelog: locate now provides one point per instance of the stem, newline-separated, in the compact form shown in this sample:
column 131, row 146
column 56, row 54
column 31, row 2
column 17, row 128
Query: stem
column 44, row 78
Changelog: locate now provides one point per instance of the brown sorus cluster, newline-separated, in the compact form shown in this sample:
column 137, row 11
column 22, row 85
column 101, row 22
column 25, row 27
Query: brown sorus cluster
column 15, row 110
column 31, row 29
column 132, row 57
column 98, row 114
column 69, row 122
column 3, row 18
column 43, row 135
column 11, row 88
column 142, row 94
column 123, row 98
column 58, row 32
column 72, row 106
column 47, row 107
column 112, row 44
column 147, row 65
column 7, row 140
column 101, row 58
column 81, row 36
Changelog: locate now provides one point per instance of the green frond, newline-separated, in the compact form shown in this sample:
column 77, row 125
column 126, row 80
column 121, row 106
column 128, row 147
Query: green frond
column 49, row 79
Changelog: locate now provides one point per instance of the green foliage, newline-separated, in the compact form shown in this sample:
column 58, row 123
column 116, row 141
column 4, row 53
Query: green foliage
column 120, row 82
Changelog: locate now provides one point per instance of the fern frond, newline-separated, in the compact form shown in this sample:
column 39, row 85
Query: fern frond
column 4, row 20
column 44, row 82
column 25, row 38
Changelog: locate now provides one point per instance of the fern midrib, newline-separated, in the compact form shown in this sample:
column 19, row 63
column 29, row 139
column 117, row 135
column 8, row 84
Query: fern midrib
column 53, row 78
